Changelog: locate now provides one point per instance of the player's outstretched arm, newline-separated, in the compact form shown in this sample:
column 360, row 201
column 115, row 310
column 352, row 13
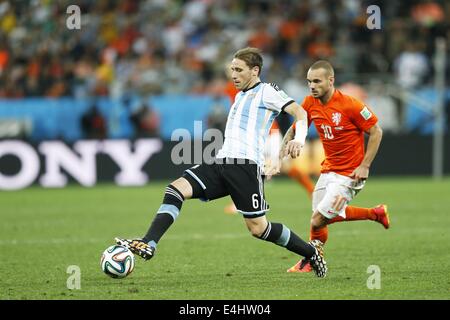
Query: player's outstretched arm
column 294, row 146
column 375, row 135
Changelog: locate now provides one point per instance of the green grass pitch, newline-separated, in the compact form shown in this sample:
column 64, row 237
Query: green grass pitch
column 210, row 255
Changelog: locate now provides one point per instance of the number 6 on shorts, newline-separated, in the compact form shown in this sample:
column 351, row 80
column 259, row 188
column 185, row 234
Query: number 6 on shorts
column 255, row 201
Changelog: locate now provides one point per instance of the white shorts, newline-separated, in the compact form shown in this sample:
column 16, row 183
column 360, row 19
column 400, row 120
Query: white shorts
column 332, row 194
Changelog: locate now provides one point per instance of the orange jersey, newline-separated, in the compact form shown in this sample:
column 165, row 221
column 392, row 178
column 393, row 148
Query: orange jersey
column 341, row 124
column 275, row 128
column 231, row 91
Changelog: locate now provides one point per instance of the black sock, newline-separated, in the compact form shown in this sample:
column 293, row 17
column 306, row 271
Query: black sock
column 282, row 236
column 166, row 215
column 159, row 226
column 298, row 245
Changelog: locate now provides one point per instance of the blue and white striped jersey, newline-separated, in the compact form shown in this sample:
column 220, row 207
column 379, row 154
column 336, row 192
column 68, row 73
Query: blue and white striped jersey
column 249, row 121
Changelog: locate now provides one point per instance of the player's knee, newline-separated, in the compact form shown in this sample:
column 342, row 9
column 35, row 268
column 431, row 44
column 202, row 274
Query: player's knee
column 317, row 221
column 255, row 231
column 184, row 187
column 314, row 224
column 256, row 228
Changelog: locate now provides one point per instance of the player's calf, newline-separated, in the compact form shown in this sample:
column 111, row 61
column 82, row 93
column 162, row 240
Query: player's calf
column 166, row 215
column 281, row 235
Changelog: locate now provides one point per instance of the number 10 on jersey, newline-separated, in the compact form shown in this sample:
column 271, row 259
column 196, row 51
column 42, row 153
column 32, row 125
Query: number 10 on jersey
column 328, row 134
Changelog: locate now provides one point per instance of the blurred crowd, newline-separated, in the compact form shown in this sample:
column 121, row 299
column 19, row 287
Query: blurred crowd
column 149, row 47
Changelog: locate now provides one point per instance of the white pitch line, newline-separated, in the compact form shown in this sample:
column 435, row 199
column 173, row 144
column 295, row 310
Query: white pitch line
column 192, row 236
column 56, row 241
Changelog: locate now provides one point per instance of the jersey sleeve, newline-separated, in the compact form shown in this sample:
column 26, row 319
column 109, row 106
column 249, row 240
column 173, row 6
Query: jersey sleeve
column 362, row 116
column 306, row 104
column 275, row 99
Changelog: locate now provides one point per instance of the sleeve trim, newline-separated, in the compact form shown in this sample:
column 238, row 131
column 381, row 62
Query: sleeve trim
column 286, row 104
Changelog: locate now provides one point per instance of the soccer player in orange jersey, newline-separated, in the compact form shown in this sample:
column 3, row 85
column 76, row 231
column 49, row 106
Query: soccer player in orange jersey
column 341, row 121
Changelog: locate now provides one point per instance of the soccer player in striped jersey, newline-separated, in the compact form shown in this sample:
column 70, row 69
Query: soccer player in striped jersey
column 238, row 170
column 341, row 122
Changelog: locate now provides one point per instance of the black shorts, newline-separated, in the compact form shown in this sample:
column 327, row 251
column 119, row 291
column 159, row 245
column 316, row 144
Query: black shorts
column 238, row 178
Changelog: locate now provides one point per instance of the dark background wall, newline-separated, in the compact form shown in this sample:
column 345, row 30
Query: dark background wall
column 398, row 155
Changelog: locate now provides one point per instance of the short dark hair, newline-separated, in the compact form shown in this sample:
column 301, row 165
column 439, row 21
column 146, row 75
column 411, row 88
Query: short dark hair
column 251, row 56
column 323, row 64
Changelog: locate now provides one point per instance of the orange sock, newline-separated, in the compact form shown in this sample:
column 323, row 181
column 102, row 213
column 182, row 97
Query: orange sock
column 355, row 213
column 319, row 234
column 302, row 178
